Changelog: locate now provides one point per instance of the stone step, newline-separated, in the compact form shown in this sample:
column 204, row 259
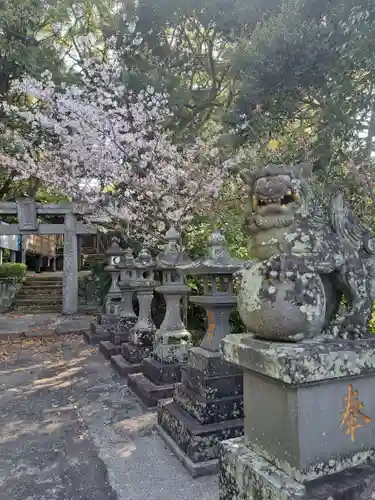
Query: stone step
column 47, row 289
column 33, row 310
column 41, row 295
column 37, row 300
column 44, row 284
column 37, row 279
column 38, row 288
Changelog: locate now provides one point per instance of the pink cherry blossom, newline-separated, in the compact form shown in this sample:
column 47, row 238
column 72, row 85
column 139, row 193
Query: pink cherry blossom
column 105, row 144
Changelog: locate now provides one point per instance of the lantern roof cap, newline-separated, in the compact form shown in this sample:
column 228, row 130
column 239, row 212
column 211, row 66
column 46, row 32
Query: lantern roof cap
column 145, row 259
column 172, row 256
column 127, row 259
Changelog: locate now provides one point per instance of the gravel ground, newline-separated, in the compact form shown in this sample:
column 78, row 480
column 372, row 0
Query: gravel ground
column 70, row 429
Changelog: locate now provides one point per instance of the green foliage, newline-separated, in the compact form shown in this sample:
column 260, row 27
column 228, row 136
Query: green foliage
column 103, row 278
column 6, row 254
column 88, row 290
column 306, row 80
column 293, row 68
column 182, row 49
column 371, row 325
column 226, row 215
column 12, row 270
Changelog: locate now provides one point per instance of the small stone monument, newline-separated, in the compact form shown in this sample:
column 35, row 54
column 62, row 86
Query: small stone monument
column 113, row 298
column 126, row 317
column 163, row 368
column 141, row 336
column 207, row 405
column 101, row 329
column 309, row 363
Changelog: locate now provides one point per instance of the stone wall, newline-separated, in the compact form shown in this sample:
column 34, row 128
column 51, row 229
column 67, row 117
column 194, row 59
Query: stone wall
column 9, row 288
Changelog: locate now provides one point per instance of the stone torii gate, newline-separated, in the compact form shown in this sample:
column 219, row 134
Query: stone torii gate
column 27, row 210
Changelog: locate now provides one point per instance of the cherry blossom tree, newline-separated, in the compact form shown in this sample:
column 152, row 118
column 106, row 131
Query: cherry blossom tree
column 108, row 145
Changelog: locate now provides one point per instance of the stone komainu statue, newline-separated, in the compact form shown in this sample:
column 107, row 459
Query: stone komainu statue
column 312, row 268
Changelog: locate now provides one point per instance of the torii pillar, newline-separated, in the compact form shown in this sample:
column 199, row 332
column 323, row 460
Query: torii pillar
column 70, row 270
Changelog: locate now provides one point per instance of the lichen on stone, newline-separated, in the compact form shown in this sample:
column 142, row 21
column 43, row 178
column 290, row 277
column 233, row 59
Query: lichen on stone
column 312, row 255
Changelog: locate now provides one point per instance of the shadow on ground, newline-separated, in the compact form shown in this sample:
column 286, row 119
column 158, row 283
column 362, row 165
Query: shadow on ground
column 71, row 429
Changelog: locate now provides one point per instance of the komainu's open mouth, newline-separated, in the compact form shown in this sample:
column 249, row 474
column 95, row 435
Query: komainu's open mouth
column 274, row 194
column 282, row 203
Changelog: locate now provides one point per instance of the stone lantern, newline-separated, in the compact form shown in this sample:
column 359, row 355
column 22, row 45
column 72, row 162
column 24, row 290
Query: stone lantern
column 163, row 368
column 114, row 254
column 126, row 317
column 141, row 336
column 218, row 299
column 207, row 405
column 100, row 330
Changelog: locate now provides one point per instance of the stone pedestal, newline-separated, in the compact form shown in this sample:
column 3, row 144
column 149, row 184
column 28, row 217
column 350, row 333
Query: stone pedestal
column 126, row 318
column 100, row 330
column 163, row 368
column 141, row 336
column 207, row 406
column 309, row 421
column 118, row 335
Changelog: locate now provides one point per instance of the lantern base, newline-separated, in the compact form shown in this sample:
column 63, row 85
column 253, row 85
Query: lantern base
column 156, row 382
column 119, row 334
column 94, row 338
column 245, row 475
column 99, row 331
column 207, row 406
column 148, row 392
column 199, row 469
column 106, row 319
column 123, row 367
column 161, row 373
column 135, row 353
column 108, row 348
column 172, row 353
column 194, row 444
column 122, row 332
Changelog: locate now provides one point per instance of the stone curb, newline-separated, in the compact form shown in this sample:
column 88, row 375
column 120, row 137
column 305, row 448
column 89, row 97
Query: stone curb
column 46, row 333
